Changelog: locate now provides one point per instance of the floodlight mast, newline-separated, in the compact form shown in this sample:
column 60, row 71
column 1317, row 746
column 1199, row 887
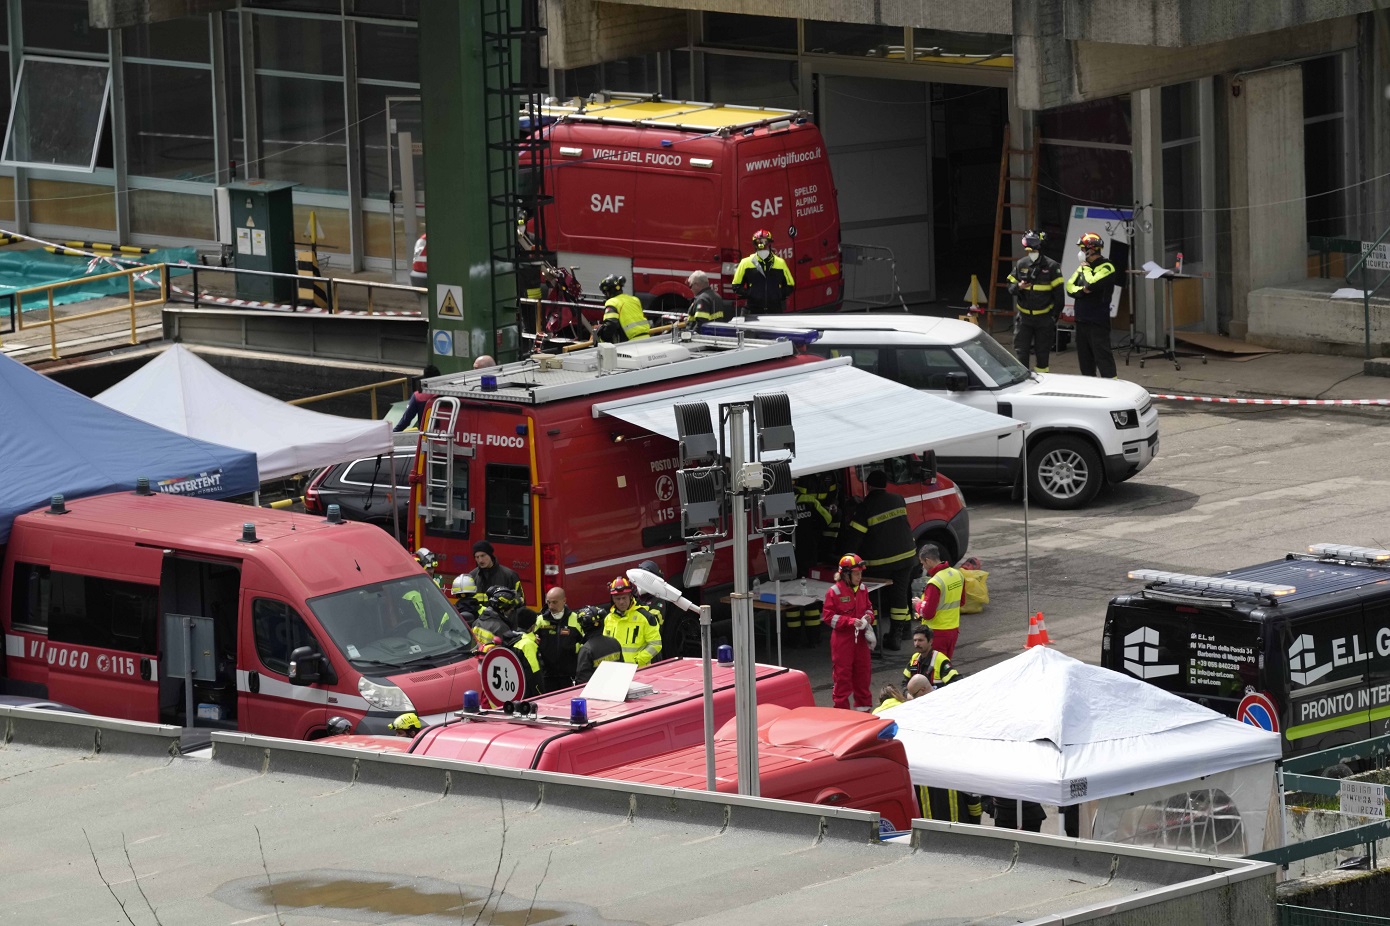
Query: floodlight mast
column 651, row 584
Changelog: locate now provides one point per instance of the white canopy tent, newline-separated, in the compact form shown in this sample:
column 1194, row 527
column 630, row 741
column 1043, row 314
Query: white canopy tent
column 842, row 416
column 182, row 393
column 1045, row 727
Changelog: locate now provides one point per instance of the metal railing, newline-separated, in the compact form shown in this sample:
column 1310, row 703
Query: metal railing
column 1294, row 776
column 54, row 320
column 334, row 287
column 1290, row 915
column 402, row 381
column 1367, row 293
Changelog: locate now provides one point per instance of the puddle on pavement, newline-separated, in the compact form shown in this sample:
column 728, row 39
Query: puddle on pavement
column 351, row 896
column 391, row 898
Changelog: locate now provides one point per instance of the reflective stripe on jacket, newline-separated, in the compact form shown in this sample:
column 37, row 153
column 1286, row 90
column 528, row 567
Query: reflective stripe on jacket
column 627, row 311
column 940, row 673
column 638, row 633
column 885, row 533
column 764, row 284
column 950, row 584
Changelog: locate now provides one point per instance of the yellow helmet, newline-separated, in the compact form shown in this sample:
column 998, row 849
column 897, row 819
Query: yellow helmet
column 408, row 723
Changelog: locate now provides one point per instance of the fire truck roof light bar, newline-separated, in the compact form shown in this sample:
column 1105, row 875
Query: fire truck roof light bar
column 1348, row 553
column 1212, row 584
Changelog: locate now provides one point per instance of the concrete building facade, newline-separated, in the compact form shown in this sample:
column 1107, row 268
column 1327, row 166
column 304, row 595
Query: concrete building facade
column 1235, row 132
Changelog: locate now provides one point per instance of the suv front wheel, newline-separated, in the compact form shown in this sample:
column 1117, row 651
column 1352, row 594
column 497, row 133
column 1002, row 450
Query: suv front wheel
column 1063, row 472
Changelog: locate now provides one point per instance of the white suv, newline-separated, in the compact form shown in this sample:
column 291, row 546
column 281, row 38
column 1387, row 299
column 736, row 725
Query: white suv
column 1083, row 431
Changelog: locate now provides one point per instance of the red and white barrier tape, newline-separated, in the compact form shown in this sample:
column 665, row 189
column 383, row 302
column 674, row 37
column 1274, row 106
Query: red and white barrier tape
column 1234, row 401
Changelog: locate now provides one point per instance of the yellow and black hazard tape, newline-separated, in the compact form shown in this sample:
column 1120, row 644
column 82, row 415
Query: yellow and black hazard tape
column 6, row 238
column 113, row 248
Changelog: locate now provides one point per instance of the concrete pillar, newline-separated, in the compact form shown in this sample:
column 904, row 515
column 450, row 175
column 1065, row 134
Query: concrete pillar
column 1145, row 299
column 1372, row 200
column 1269, row 234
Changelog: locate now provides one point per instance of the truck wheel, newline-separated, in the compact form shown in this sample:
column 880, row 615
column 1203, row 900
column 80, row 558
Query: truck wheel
column 1064, row 472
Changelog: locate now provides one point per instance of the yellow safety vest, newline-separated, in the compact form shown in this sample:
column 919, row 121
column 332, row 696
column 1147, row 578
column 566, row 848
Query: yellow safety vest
column 950, row 582
column 628, row 311
column 636, row 631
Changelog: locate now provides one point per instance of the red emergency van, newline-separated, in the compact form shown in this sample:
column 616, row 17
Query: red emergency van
column 815, row 755
column 619, row 732
column 653, row 189
column 538, row 458
column 295, row 618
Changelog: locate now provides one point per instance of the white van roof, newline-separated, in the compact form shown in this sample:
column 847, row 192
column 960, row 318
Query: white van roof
column 944, row 331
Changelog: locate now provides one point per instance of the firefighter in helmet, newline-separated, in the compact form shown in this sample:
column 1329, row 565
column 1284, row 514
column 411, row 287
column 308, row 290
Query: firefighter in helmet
column 1091, row 286
column 762, row 278
column 596, row 647
column 623, row 319
column 1038, row 290
column 430, row 563
column 636, row 629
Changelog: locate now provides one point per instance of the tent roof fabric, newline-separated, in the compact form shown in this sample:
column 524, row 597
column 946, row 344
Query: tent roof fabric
column 180, row 391
column 842, row 416
column 1045, row 727
column 57, row 441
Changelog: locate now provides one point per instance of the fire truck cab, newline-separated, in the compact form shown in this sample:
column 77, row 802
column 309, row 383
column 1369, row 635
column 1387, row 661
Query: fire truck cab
column 567, row 464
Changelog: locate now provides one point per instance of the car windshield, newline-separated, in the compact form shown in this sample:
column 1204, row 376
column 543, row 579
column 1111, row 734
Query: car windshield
column 401, row 624
column 996, row 362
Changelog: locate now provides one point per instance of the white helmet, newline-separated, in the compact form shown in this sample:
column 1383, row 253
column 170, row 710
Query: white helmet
column 464, row 585
column 425, row 558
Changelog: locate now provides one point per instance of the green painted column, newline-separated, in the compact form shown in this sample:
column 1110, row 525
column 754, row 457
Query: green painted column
column 453, row 58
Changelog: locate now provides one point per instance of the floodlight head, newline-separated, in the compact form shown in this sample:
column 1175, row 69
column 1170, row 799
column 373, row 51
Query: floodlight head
column 695, row 430
column 773, row 413
column 698, row 566
column 778, row 496
column 701, row 492
column 650, row 584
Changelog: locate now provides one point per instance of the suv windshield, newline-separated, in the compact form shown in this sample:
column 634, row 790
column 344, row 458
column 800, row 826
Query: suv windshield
column 401, row 624
column 991, row 356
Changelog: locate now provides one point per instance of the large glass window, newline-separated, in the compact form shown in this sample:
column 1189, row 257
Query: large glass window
column 60, row 25
column 103, row 613
column 302, row 137
column 402, row 624
column 762, row 33
column 388, row 53
column 387, row 9
column 1084, row 160
column 752, row 81
column 59, row 113
column 508, row 502
column 1182, row 174
column 184, row 39
column 837, row 38
column 301, row 46
column 169, row 122
column 1325, row 168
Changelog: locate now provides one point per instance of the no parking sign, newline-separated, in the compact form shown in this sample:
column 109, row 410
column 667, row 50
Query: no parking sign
column 1258, row 710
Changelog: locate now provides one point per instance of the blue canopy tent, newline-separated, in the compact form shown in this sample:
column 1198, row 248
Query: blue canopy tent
column 54, row 440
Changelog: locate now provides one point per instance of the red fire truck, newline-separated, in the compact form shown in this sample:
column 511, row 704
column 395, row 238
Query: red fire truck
column 653, row 189
column 567, row 464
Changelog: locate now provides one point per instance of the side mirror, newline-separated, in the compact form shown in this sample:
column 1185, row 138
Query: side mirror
column 957, row 382
column 305, row 666
column 929, row 467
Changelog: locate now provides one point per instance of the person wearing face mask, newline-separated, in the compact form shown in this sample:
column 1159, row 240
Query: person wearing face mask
column 1091, row 287
column 763, row 279
column 1037, row 287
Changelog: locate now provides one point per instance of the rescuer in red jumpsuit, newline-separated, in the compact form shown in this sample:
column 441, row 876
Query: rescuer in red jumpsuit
column 849, row 616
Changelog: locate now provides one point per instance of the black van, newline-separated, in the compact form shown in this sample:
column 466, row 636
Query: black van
column 1311, row 631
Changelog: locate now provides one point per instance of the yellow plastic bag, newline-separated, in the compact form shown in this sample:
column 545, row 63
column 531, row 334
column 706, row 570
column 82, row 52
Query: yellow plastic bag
column 976, row 593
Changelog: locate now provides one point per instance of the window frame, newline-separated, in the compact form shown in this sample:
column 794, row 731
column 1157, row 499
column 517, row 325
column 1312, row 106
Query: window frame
column 291, row 615
column 493, row 485
column 15, row 97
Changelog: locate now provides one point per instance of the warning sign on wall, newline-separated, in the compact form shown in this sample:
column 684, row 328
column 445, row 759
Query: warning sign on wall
column 450, row 302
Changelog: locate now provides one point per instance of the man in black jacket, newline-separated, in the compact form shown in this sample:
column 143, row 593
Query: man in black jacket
column 489, row 572
column 1037, row 287
column 881, row 533
column 1091, row 287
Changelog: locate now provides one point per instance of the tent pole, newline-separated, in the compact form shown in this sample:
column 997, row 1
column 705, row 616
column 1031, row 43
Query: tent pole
column 1027, row 558
column 256, row 499
column 395, row 508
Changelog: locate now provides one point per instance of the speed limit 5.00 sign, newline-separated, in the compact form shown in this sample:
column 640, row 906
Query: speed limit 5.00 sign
column 502, row 676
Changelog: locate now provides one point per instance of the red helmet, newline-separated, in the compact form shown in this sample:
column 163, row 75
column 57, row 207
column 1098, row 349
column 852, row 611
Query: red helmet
column 762, row 234
column 621, row 586
column 851, row 561
column 1090, row 242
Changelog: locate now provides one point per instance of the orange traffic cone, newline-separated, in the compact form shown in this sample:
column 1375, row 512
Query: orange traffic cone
column 1037, row 632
